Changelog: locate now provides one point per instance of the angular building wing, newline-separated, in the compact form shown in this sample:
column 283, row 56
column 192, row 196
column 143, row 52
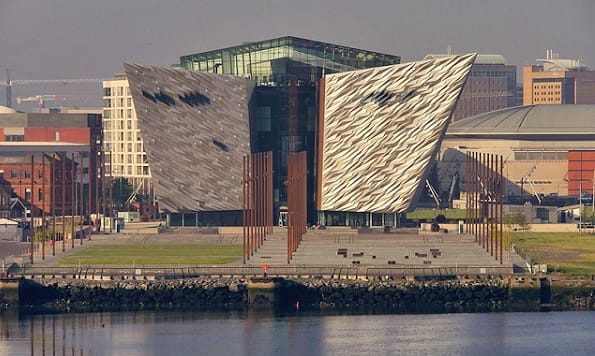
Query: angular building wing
column 380, row 129
column 196, row 131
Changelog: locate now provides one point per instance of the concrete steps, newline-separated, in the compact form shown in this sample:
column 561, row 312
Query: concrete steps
column 273, row 250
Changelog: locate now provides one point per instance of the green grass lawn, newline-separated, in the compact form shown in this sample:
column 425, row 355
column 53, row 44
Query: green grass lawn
column 570, row 253
column 154, row 255
column 454, row 214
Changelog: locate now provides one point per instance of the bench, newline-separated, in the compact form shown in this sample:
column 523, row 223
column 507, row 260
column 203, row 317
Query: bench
column 355, row 262
column 391, row 262
column 427, row 262
column 424, row 255
column 342, row 251
column 359, row 254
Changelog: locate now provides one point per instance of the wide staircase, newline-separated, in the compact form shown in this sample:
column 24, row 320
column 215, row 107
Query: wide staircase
column 273, row 250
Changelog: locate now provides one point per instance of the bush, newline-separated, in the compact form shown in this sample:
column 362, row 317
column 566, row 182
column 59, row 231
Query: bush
column 440, row 219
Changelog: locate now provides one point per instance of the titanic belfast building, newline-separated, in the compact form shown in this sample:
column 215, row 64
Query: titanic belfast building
column 370, row 127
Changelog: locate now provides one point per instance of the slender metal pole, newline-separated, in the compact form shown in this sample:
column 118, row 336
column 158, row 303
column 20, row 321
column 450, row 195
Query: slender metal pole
column 82, row 196
column 72, row 197
column 43, row 205
column 53, row 199
column 32, row 208
column 501, row 209
column 244, row 212
column 111, row 193
column 63, row 187
column 91, row 172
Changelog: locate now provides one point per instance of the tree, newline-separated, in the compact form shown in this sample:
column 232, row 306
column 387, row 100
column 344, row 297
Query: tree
column 121, row 190
column 516, row 219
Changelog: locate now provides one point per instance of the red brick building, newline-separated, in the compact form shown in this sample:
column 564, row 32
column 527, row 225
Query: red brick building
column 52, row 160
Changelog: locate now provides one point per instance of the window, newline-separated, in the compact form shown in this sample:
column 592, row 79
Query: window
column 27, row 173
column 14, row 138
column 28, row 194
column 107, row 91
column 40, row 194
column 13, row 173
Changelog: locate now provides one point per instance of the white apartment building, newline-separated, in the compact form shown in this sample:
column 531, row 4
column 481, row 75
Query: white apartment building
column 125, row 155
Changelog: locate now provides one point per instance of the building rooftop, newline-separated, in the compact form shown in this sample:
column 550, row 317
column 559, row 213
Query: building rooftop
column 548, row 120
column 480, row 59
column 6, row 110
column 264, row 56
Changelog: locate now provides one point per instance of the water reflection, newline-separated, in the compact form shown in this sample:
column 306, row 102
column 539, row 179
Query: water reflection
column 264, row 332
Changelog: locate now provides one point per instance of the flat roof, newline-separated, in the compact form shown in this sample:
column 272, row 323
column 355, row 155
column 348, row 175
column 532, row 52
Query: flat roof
column 31, row 146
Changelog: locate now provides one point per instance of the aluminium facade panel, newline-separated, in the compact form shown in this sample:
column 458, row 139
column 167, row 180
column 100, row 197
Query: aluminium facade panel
column 380, row 130
column 196, row 132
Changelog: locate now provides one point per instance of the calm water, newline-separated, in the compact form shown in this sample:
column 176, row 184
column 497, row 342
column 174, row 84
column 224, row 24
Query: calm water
column 174, row 333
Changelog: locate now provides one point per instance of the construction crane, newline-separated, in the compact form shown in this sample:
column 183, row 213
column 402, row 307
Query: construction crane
column 41, row 99
column 10, row 83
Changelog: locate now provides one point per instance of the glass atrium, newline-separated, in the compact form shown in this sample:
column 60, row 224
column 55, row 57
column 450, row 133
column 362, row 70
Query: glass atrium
column 284, row 107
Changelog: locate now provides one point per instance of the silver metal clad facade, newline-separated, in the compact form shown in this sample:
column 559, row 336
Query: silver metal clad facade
column 381, row 128
column 195, row 130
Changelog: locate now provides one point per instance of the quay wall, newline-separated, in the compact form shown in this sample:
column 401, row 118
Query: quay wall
column 407, row 296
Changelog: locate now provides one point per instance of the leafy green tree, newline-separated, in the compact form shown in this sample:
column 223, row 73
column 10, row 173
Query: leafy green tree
column 516, row 219
column 121, row 190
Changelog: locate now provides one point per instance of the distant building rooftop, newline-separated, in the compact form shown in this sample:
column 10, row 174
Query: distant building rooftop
column 480, row 59
column 542, row 120
column 553, row 62
column 6, row 110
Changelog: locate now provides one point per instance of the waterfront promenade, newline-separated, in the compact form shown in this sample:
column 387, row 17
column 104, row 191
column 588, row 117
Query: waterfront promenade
column 352, row 252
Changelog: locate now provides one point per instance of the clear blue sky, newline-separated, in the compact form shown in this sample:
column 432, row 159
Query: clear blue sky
column 42, row 39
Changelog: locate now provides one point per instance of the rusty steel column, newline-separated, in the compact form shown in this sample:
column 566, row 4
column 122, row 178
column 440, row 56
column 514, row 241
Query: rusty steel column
column 492, row 196
column 31, row 208
column 63, row 193
column 244, row 211
column 484, row 210
column 485, row 190
column 290, row 211
column 296, row 200
column 82, row 196
column 252, row 206
column 476, row 195
column 270, row 209
column 259, row 200
column 501, row 207
column 53, row 199
column 110, row 204
column 467, row 201
column 72, row 199
column 91, row 170
column 43, row 228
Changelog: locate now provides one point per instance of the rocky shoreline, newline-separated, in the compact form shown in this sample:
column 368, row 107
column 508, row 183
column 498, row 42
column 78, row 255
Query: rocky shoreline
column 401, row 296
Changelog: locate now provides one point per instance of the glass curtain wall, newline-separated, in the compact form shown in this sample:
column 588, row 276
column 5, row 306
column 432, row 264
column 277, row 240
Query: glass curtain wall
column 284, row 107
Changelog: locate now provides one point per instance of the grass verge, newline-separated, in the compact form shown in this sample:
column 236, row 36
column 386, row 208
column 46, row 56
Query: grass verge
column 182, row 254
column 573, row 254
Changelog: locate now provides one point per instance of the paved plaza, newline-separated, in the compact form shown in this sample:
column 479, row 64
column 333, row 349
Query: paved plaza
column 372, row 251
